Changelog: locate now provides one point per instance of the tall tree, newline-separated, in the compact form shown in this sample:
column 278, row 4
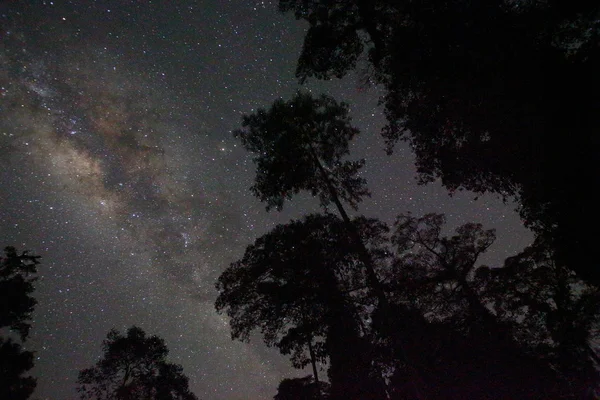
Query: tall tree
column 497, row 96
column 300, row 145
column 134, row 367
column 299, row 284
column 16, row 307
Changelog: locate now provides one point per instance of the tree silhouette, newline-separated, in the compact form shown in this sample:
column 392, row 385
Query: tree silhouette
column 16, row 286
column 16, row 306
column 554, row 314
column 335, row 38
column 485, row 330
column 299, row 284
column 300, row 145
column 301, row 389
column 134, row 367
column 492, row 97
column 440, row 270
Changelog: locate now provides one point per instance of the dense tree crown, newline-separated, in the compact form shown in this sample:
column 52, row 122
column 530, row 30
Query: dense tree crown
column 16, row 306
column 301, row 389
column 530, row 312
column 134, row 367
column 299, row 145
column 300, row 285
column 422, row 318
column 523, row 331
column 498, row 96
column 16, row 286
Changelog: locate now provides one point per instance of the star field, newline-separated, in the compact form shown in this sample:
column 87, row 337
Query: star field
column 118, row 168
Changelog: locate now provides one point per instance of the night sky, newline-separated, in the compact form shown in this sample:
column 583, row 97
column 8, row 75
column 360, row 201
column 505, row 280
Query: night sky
column 118, row 167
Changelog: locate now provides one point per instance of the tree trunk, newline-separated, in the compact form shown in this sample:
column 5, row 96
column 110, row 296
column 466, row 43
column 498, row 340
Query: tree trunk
column 313, row 362
column 366, row 260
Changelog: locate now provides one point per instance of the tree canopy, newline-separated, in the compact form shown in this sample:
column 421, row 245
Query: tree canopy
column 301, row 389
column 134, row 367
column 441, row 268
column 531, row 312
column 16, row 286
column 16, row 306
column 492, row 96
column 300, row 285
column 553, row 313
column 300, row 145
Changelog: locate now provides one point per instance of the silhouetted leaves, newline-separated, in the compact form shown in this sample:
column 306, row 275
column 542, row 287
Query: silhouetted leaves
column 303, row 283
column 484, row 93
column 460, row 341
column 300, row 145
column 290, row 278
column 332, row 44
column 14, row 362
column 16, row 287
column 436, row 272
column 302, row 389
column 492, row 96
column 555, row 315
column 134, row 367
column 16, row 306
column 336, row 35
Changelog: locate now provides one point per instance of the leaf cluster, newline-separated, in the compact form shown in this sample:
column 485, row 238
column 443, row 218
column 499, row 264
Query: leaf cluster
column 16, row 287
column 13, row 363
column 299, row 145
column 134, row 367
column 491, row 96
column 16, row 306
column 332, row 44
column 294, row 281
column 301, row 389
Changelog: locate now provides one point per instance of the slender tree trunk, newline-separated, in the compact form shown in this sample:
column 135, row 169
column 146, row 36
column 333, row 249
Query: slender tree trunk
column 366, row 260
column 363, row 254
column 121, row 390
column 313, row 361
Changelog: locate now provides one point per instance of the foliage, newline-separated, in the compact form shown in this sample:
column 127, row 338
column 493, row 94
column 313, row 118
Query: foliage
column 301, row 283
column 14, row 362
column 460, row 330
column 337, row 35
column 16, row 307
column 300, row 145
column 301, row 389
column 436, row 325
column 134, row 367
column 492, row 96
column 291, row 280
column 332, row 44
column 436, row 272
column 555, row 314
column 16, row 286
column 531, row 311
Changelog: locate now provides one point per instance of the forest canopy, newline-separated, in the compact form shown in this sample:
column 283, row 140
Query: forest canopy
column 491, row 96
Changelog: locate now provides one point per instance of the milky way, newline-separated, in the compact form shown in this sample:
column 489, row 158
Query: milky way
column 118, row 167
